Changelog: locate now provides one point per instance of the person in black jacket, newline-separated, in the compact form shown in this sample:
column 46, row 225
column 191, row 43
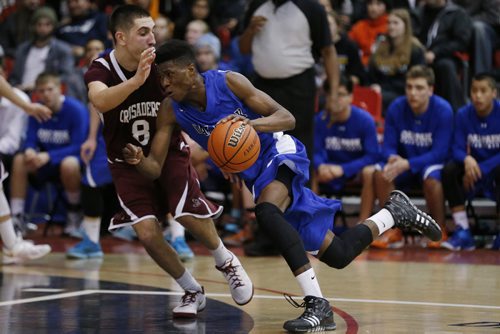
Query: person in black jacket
column 445, row 29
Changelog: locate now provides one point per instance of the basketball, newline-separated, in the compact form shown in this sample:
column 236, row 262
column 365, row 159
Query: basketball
column 233, row 147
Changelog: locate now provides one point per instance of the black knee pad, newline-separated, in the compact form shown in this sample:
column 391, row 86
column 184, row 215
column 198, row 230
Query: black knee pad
column 345, row 248
column 287, row 239
column 92, row 203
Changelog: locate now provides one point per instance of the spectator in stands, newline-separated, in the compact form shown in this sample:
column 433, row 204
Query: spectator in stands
column 163, row 29
column 347, row 51
column 394, row 54
column 365, row 31
column 93, row 48
column 485, row 16
column 51, row 151
column 346, row 148
column 84, row 24
column 43, row 53
column 199, row 10
column 417, row 139
column 195, row 29
column 15, row 30
column 284, row 51
column 475, row 164
column 13, row 121
column 444, row 29
column 207, row 50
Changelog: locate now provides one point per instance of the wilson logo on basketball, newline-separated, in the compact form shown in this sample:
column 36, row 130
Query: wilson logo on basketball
column 236, row 136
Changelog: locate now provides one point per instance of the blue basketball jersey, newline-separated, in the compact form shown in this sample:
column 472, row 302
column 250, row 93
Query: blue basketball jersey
column 312, row 216
column 96, row 173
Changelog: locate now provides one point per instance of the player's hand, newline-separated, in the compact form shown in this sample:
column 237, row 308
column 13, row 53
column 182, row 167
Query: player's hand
column 234, row 118
column 147, row 58
column 233, row 178
column 256, row 24
column 42, row 158
column 393, row 169
column 472, row 170
column 87, row 150
column 468, row 182
column 39, row 111
column 132, row 154
column 328, row 172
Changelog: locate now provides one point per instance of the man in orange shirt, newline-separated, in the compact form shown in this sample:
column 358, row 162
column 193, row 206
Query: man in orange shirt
column 365, row 32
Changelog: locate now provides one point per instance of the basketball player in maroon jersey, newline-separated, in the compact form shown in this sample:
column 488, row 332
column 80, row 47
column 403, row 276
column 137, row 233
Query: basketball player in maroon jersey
column 124, row 86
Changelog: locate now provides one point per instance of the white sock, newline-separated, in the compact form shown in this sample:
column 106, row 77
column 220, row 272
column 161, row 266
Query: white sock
column 17, row 206
column 73, row 197
column 221, row 254
column 309, row 283
column 8, row 234
column 460, row 219
column 383, row 219
column 187, row 282
column 176, row 229
column 92, row 227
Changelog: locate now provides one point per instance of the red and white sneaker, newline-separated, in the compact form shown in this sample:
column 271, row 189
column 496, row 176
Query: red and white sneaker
column 191, row 303
column 239, row 283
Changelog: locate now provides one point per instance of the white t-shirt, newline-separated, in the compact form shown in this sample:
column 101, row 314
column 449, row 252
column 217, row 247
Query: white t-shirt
column 35, row 64
column 13, row 122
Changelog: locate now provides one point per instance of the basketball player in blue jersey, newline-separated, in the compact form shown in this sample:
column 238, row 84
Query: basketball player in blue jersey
column 475, row 167
column 293, row 216
column 124, row 87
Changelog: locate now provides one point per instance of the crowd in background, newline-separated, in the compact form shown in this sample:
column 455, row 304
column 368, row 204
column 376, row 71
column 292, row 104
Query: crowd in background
column 46, row 47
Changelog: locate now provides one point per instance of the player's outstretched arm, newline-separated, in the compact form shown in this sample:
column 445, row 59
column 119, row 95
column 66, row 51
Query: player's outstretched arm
column 40, row 112
column 152, row 165
column 277, row 117
column 106, row 98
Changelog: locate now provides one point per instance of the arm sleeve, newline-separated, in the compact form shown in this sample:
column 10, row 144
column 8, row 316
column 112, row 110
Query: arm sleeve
column 370, row 147
column 441, row 141
column 78, row 131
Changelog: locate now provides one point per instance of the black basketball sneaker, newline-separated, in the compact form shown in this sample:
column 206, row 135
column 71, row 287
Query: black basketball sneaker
column 407, row 216
column 317, row 317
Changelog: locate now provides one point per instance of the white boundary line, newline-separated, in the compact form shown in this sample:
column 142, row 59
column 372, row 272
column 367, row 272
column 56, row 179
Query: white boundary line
column 226, row 295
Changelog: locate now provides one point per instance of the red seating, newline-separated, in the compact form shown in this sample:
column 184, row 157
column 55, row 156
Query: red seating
column 371, row 101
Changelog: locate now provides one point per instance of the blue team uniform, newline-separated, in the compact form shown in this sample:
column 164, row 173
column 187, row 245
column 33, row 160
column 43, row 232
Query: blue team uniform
column 482, row 137
column 351, row 144
column 424, row 140
column 60, row 137
column 312, row 216
column 97, row 173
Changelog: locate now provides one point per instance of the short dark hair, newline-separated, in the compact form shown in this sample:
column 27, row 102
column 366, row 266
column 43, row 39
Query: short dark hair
column 177, row 51
column 47, row 76
column 485, row 76
column 421, row 71
column 123, row 17
column 345, row 81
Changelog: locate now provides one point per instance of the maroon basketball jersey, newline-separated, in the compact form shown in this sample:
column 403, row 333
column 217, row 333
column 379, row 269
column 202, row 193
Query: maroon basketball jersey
column 134, row 120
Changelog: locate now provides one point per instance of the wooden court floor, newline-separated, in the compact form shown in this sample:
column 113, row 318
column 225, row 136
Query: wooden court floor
column 384, row 291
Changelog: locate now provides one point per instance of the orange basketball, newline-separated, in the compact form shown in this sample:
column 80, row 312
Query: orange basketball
column 234, row 147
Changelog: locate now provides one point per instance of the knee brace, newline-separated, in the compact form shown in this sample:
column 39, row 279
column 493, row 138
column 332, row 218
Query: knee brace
column 270, row 219
column 92, row 201
column 345, row 248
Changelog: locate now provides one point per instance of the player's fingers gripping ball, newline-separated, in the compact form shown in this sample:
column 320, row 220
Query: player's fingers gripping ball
column 234, row 147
